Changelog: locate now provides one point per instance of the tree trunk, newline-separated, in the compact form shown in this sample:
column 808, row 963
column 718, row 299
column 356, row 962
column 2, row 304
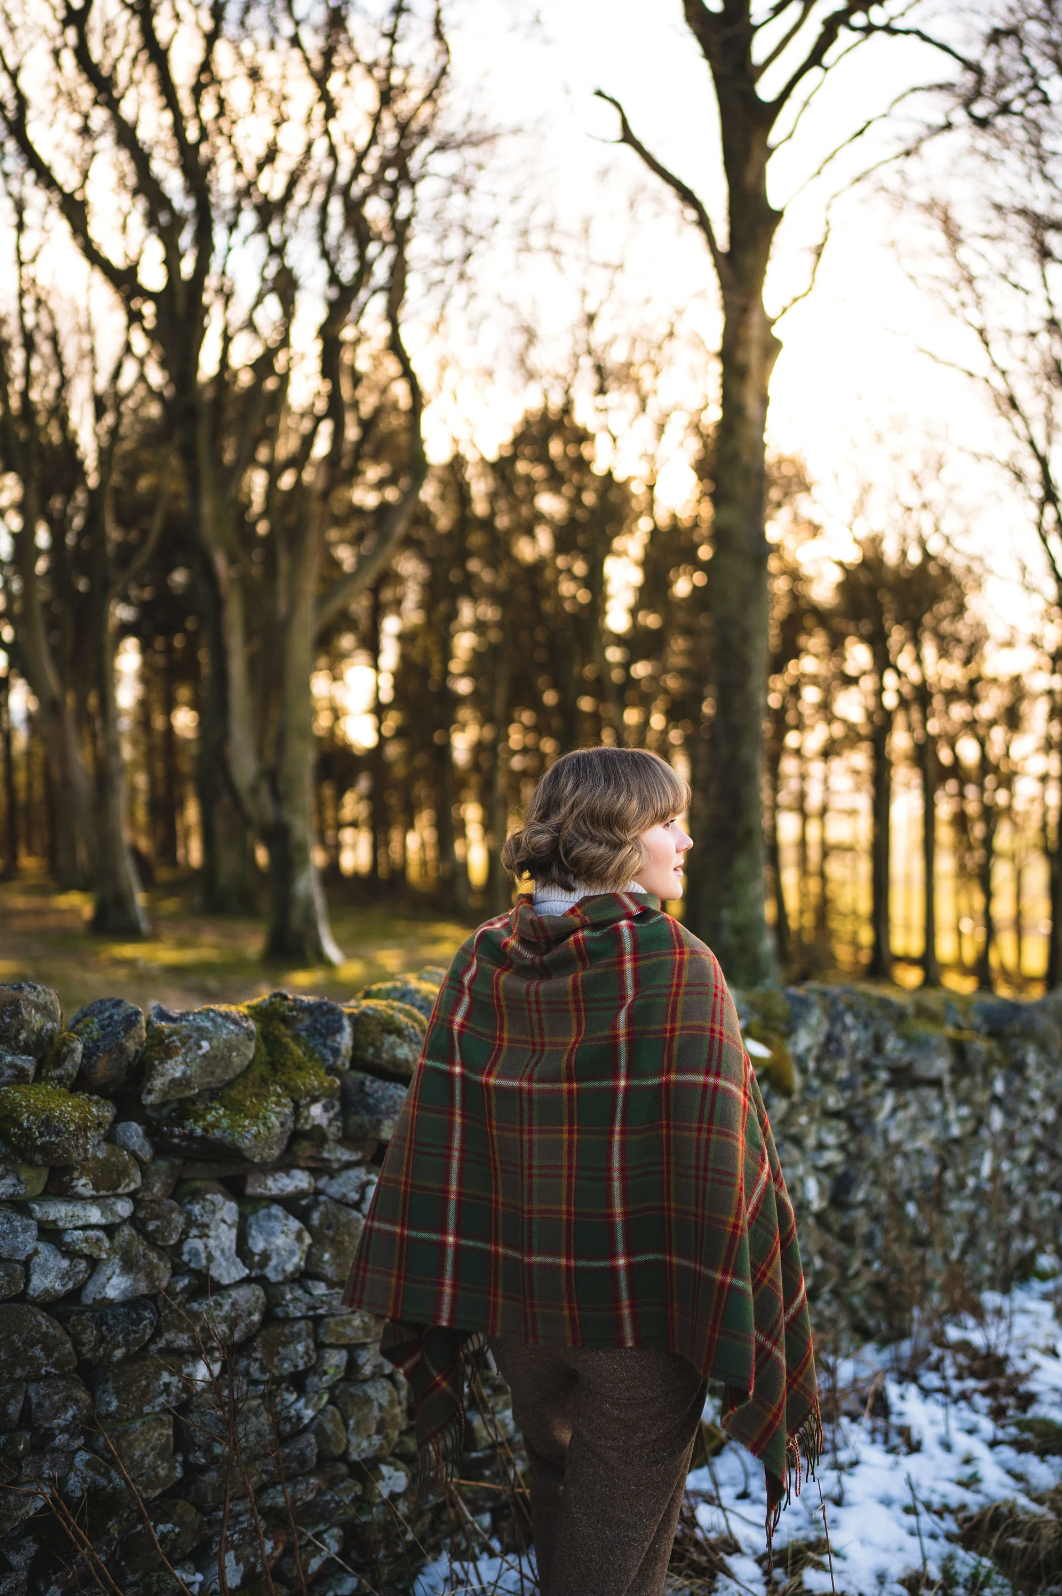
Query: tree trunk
column 169, row 842
column 1018, row 854
column 228, row 871
column 881, row 814
column 453, row 876
column 380, row 877
column 499, row 886
column 117, row 911
column 803, row 881
column 987, row 860
column 152, row 815
column 28, row 795
column 927, row 765
column 11, row 827
column 71, row 787
column 822, row 902
column 728, row 904
column 782, row 932
column 298, row 915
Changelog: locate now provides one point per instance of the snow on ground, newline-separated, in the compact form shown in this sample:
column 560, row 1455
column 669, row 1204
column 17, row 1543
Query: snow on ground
column 922, row 1436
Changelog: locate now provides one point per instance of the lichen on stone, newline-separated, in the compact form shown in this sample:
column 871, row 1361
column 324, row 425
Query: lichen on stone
column 44, row 1124
column 412, row 990
column 112, row 1034
column 30, row 1018
column 321, row 1027
column 254, row 1114
column 19, row 1181
column 110, row 1172
column 191, row 1051
column 63, row 1060
column 388, row 1036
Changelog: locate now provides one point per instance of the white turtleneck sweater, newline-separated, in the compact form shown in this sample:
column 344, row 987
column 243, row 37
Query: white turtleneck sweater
column 555, row 900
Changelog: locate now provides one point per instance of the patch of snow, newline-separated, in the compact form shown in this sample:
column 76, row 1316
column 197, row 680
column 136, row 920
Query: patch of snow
column 926, row 1434
column 488, row 1576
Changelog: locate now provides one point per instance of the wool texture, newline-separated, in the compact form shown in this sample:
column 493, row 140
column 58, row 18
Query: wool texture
column 584, row 1159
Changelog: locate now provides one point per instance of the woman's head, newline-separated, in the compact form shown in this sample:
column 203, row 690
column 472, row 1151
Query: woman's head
column 587, row 817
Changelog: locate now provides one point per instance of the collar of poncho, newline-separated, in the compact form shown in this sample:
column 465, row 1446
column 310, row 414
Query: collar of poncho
column 584, row 1159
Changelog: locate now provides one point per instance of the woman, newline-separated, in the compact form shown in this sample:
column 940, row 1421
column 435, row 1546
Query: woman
column 584, row 1176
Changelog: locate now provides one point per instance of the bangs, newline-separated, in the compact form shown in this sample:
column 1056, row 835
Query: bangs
column 659, row 793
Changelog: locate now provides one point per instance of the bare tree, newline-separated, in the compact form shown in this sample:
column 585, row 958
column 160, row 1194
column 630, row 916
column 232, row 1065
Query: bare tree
column 71, row 563
column 790, row 46
column 999, row 247
column 247, row 184
column 36, row 453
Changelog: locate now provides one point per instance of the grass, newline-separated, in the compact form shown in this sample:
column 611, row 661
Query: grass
column 193, row 958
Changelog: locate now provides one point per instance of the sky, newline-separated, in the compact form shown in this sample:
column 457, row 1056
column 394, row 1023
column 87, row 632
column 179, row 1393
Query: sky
column 854, row 386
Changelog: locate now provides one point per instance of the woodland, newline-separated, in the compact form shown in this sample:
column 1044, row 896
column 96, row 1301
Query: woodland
column 260, row 640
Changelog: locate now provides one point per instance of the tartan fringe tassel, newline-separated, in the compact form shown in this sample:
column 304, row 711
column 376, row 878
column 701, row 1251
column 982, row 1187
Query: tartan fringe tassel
column 803, row 1454
column 440, row 1452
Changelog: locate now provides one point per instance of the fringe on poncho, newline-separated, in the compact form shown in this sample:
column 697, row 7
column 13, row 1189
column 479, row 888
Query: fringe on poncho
column 584, row 1159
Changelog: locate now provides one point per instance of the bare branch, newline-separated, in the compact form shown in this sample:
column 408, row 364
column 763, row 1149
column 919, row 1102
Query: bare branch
column 677, row 186
column 817, row 254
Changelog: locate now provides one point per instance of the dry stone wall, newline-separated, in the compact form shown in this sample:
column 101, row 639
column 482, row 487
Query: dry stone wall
column 920, row 1138
column 180, row 1198
column 181, row 1193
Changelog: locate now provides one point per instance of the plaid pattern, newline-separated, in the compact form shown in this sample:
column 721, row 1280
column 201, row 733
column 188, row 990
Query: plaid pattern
column 584, row 1159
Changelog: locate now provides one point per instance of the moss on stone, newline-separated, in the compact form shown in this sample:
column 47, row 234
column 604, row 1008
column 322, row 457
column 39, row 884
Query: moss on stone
column 919, row 1026
column 62, row 1060
column 930, row 1006
column 280, row 1059
column 20, row 1181
column 253, row 1113
column 387, row 1036
column 411, row 991
column 166, row 1041
column 46, row 1125
column 778, row 1071
column 770, row 1007
column 975, row 1052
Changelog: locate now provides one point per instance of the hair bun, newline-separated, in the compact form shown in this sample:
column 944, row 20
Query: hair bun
column 587, row 815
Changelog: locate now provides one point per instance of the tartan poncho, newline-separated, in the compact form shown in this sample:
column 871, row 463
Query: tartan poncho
column 584, row 1159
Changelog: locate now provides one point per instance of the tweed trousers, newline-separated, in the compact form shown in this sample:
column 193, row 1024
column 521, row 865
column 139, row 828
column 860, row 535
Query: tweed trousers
column 609, row 1435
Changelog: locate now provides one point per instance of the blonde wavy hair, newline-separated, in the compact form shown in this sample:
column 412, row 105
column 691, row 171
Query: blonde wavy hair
column 587, row 814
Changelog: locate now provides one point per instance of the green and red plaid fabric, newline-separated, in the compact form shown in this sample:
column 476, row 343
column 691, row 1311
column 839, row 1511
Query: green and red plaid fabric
column 584, row 1159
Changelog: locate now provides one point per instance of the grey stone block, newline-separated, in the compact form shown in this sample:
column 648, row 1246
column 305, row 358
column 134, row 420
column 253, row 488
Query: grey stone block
column 112, row 1039
column 34, row 1344
column 193, row 1050
column 132, row 1268
column 18, row 1234
column 274, row 1243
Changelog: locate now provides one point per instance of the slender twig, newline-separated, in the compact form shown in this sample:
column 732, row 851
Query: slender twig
column 826, row 1532
column 335, row 1558
column 918, row 1528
